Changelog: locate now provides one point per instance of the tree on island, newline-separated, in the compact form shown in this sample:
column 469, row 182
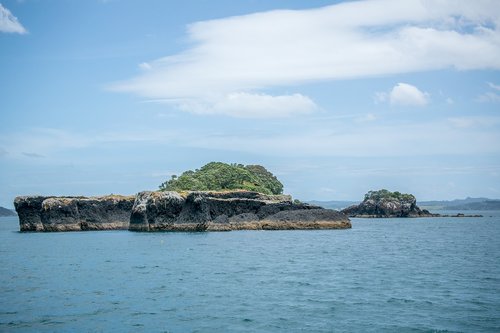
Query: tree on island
column 218, row 176
column 385, row 194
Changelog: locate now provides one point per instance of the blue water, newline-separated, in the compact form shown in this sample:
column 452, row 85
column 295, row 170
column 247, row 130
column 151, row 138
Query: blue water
column 393, row 275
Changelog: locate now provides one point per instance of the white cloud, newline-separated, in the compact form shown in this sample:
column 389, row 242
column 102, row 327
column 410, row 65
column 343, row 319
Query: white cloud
column 250, row 53
column 249, row 105
column 9, row 23
column 407, row 95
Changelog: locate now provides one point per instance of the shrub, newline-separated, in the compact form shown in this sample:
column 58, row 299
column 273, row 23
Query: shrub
column 218, row 176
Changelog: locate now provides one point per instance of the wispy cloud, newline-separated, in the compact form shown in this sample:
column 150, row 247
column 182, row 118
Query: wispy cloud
column 366, row 118
column 9, row 23
column 33, row 155
column 490, row 96
column 362, row 138
column 494, row 86
column 247, row 105
column 474, row 121
column 248, row 54
column 402, row 140
column 144, row 66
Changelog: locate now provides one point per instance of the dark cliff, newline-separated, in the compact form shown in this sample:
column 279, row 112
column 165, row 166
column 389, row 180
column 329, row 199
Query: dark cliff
column 173, row 211
column 39, row 213
column 224, row 211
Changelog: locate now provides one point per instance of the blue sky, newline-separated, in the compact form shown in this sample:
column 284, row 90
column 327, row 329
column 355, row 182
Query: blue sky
column 336, row 98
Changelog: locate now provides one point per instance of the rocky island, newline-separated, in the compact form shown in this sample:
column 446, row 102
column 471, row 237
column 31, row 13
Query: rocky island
column 386, row 204
column 216, row 197
column 174, row 211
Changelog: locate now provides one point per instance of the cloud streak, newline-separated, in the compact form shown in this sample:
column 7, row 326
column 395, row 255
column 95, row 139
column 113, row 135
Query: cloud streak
column 248, row 54
column 9, row 23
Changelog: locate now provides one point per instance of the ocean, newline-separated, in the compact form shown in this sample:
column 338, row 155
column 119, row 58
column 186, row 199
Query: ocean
column 383, row 275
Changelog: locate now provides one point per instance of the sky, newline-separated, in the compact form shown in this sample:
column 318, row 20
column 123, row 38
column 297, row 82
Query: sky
column 336, row 98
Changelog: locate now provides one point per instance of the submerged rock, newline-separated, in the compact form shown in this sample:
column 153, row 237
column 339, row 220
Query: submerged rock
column 40, row 213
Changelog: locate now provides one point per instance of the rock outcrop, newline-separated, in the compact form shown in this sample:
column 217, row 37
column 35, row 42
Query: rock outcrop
column 172, row 211
column 41, row 213
column 224, row 211
column 383, row 204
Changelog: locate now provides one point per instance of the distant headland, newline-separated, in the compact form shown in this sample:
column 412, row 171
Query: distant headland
column 6, row 212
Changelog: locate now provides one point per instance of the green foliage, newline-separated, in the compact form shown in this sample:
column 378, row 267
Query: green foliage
column 385, row 194
column 218, row 176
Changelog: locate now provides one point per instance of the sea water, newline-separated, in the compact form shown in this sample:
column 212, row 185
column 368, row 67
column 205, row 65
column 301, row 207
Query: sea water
column 392, row 275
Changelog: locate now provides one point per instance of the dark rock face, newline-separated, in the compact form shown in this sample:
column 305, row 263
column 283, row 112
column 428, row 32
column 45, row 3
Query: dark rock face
column 224, row 211
column 387, row 207
column 172, row 211
column 39, row 213
column 29, row 210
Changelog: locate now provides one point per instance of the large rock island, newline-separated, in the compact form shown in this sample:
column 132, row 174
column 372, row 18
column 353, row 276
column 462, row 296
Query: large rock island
column 383, row 204
column 174, row 211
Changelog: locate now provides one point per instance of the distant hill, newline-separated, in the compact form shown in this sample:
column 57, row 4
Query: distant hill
column 457, row 204
column 483, row 205
column 333, row 204
column 462, row 204
column 6, row 212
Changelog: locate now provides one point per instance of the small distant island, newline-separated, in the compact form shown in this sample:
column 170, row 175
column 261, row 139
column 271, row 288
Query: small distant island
column 387, row 204
column 6, row 212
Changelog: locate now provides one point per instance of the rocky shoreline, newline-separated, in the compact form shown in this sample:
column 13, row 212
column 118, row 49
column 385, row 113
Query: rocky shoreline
column 173, row 211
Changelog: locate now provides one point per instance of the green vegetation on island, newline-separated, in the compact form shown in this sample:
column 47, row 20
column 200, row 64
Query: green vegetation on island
column 218, row 176
column 386, row 194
